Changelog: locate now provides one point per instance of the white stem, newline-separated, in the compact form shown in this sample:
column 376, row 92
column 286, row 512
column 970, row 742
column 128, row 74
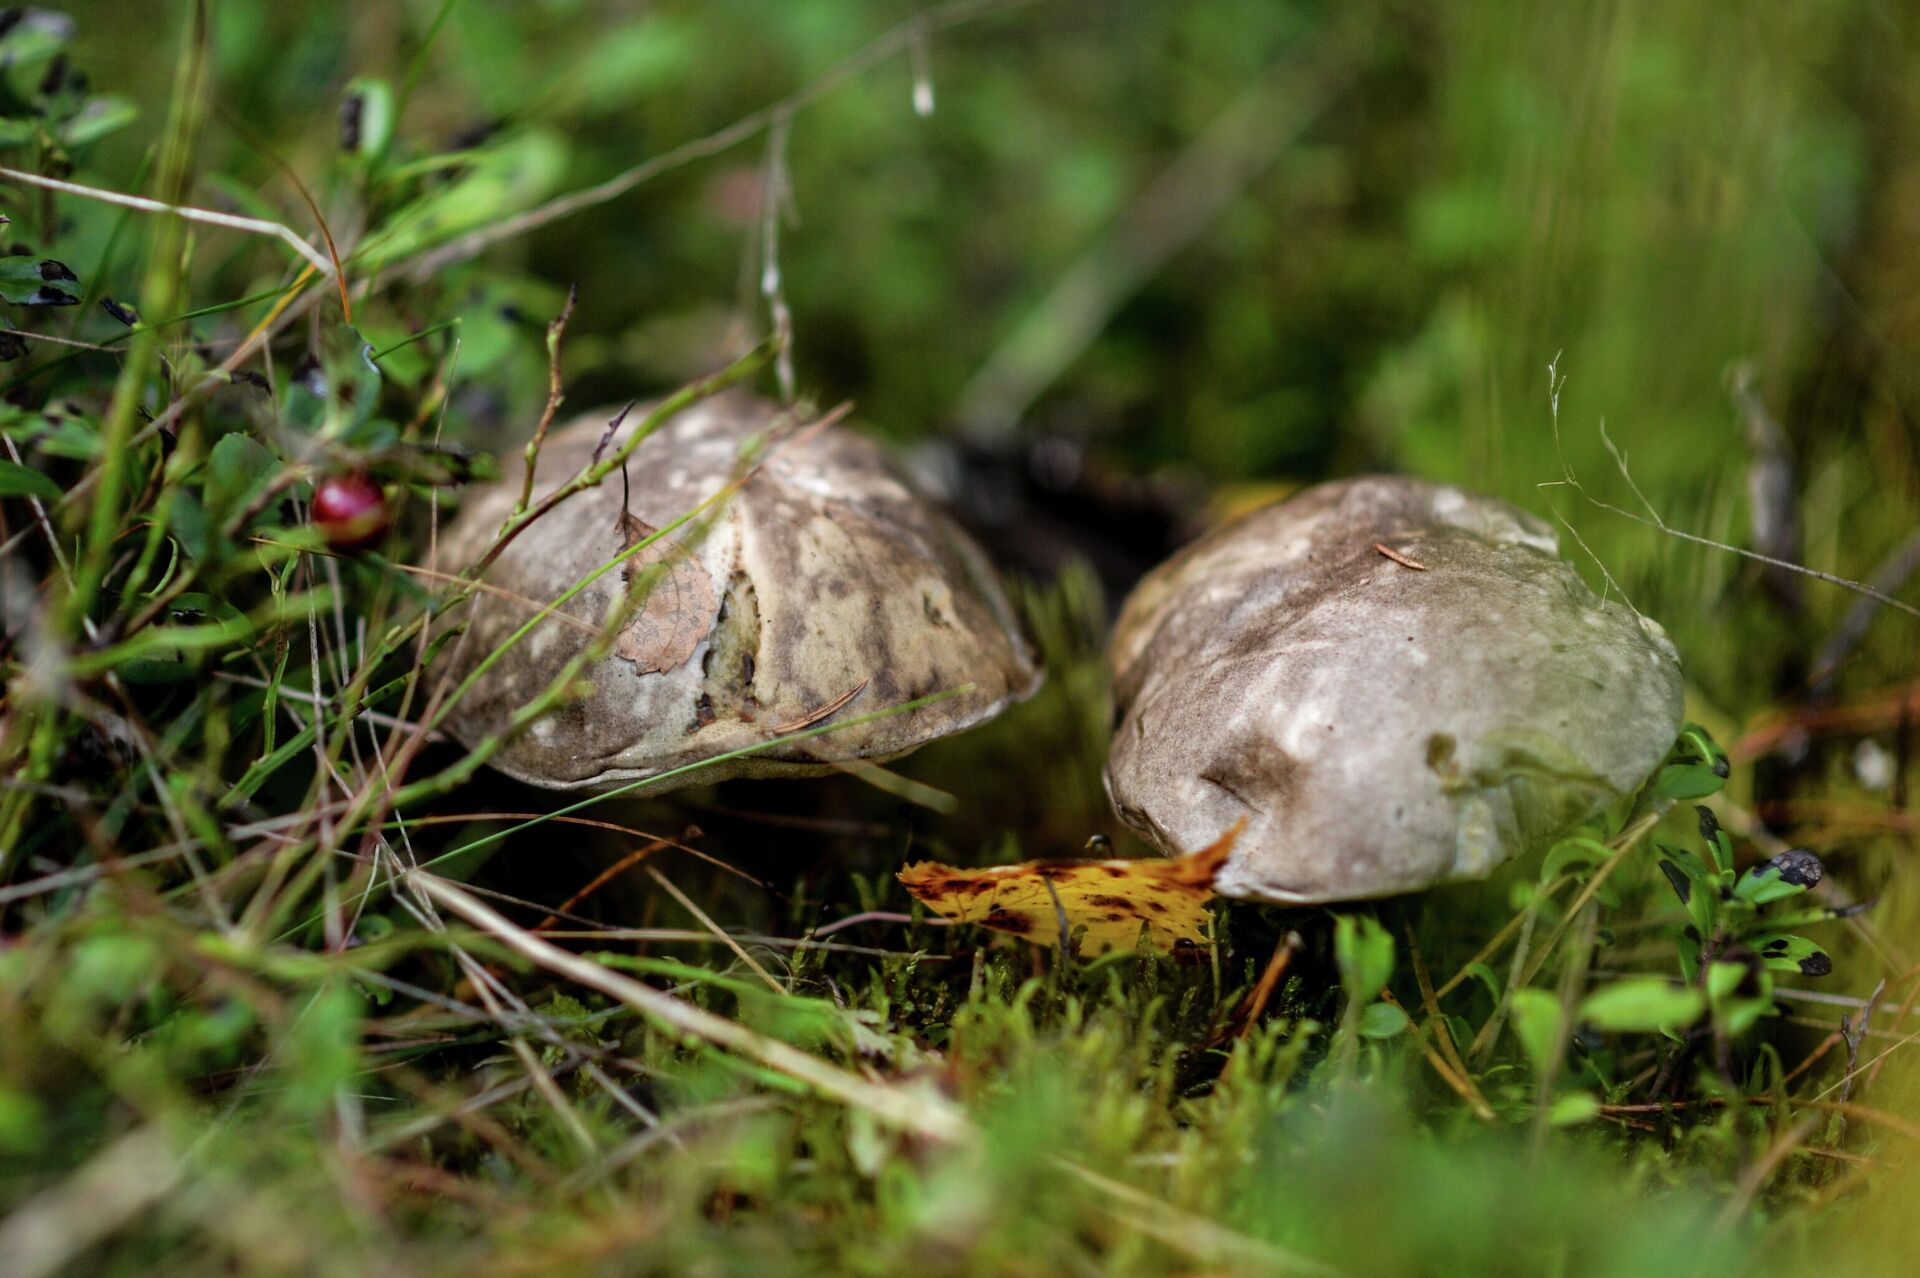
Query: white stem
column 252, row 225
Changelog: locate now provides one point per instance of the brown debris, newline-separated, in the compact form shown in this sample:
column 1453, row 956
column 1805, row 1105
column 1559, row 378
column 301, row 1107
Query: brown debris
column 679, row 610
column 822, row 713
column 1399, row 558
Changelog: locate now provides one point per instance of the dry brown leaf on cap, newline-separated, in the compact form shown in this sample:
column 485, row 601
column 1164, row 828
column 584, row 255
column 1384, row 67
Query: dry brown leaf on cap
column 1113, row 899
column 679, row 610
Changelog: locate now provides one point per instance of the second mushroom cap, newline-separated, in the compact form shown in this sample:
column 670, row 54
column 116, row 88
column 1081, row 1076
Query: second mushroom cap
column 1394, row 683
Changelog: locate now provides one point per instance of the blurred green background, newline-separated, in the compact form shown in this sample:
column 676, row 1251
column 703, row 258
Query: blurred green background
column 1298, row 239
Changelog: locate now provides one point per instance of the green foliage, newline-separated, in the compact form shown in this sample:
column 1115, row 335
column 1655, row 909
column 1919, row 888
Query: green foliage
column 25, row 282
column 221, row 998
column 45, row 109
column 1725, row 947
column 1364, row 951
column 1642, row 1003
column 1538, row 1021
column 23, row 481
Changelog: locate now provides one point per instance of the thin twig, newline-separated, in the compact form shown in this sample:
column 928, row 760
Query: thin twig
column 600, row 880
column 719, row 933
column 1652, row 518
column 1459, row 1080
column 1442, row 1030
column 556, row 329
column 926, row 1115
column 231, row 221
column 1398, row 558
column 876, row 916
column 1498, row 939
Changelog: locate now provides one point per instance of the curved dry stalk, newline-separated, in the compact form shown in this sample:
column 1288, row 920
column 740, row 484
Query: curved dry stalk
column 928, row 1116
column 719, row 933
column 556, row 329
column 461, row 818
column 488, row 588
column 47, row 1232
column 231, row 221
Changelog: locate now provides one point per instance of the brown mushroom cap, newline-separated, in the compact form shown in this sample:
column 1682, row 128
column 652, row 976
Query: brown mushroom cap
column 1381, row 727
column 826, row 574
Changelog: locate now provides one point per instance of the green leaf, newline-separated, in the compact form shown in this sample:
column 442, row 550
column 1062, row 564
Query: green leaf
column 1784, row 952
column 1696, row 745
column 1364, row 952
column 1737, row 1016
column 187, row 521
column 71, row 437
column 1692, row 884
column 106, row 970
column 1642, row 1003
column 1715, row 838
column 512, row 174
column 1723, row 978
column 1687, row 781
column 99, row 117
column 321, row 1050
column 1789, row 874
column 1382, row 1020
column 237, row 469
column 1687, row 945
column 1537, row 1021
column 369, row 107
column 1487, row 977
column 24, row 481
column 1582, row 852
column 1570, row 1108
column 27, row 281
column 37, row 36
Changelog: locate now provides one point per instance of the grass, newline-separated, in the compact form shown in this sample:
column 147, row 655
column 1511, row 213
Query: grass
column 289, row 984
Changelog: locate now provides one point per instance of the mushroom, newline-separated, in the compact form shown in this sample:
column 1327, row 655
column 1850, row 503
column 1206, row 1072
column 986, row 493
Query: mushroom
column 1394, row 683
column 827, row 585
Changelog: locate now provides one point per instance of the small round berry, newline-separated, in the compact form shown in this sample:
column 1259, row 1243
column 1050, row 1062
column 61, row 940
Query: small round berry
column 350, row 511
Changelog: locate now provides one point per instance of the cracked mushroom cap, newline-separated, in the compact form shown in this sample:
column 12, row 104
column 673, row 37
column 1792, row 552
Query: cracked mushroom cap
column 827, row 587
column 1384, row 722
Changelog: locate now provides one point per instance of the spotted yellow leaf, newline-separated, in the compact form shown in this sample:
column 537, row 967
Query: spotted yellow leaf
column 1114, row 899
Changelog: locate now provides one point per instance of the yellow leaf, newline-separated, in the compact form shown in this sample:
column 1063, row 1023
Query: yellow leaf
column 1114, row 899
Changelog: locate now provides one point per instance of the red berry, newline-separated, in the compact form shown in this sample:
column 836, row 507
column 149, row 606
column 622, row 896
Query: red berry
column 350, row 511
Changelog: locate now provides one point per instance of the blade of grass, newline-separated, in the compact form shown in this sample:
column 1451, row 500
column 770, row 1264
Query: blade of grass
column 925, row 1115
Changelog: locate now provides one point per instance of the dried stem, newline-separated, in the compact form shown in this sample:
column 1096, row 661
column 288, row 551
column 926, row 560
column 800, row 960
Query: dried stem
column 231, row 221
column 924, row 1115
column 556, row 330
